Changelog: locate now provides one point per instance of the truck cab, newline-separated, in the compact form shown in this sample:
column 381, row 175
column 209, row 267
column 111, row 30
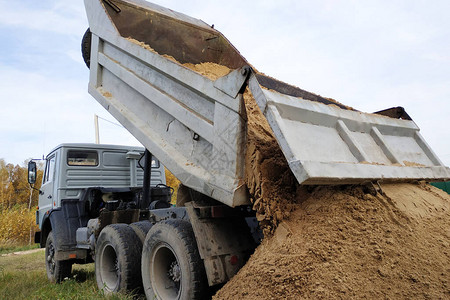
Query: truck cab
column 82, row 181
column 72, row 169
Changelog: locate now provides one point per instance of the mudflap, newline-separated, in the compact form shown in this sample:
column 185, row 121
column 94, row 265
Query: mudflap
column 223, row 238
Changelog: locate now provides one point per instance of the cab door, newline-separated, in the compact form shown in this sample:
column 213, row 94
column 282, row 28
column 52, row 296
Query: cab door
column 46, row 197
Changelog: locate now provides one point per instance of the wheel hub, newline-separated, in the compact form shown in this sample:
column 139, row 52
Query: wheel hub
column 109, row 268
column 174, row 272
column 51, row 258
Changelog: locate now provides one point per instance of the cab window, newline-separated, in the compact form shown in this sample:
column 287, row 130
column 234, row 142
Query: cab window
column 82, row 158
column 49, row 169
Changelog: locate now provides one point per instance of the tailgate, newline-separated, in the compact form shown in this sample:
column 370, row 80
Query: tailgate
column 325, row 144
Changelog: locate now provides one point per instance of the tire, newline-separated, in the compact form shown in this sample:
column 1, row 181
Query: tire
column 86, row 47
column 171, row 264
column 57, row 270
column 118, row 259
column 141, row 229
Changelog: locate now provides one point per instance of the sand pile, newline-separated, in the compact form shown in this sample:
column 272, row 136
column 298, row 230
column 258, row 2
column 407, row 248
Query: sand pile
column 272, row 186
column 337, row 242
column 351, row 242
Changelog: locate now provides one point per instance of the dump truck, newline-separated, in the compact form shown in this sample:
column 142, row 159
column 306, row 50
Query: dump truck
column 196, row 127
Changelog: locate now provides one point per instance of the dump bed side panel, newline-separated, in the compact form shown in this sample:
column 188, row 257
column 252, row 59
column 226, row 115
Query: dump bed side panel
column 192, row 127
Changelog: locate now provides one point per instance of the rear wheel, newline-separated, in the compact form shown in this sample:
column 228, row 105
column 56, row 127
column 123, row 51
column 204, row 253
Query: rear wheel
column 171, row 265
column 118, row 259
column 141, row 229
column 57, row 270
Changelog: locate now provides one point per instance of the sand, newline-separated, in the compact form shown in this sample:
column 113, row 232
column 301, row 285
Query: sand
column 337, row 241
column 351, row 242
column 210, row 70
column 331, row 242
column 207, row 69
column 271, row 184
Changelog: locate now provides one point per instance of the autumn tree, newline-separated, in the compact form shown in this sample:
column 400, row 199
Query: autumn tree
column 174, row 183
column 17, row 201
column 14, row 187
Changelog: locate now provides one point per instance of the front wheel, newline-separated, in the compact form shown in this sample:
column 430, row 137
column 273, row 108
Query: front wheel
column 57, row 270
column 171, row 265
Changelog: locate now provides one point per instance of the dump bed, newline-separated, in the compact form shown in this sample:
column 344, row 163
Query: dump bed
column 197, row 126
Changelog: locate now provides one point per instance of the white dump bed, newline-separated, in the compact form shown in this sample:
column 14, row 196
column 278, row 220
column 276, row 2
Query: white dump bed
column 196, row 126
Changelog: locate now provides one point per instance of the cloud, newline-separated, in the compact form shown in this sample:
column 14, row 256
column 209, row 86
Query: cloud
column 47, row 111
column 367, row 54
column 51, row 16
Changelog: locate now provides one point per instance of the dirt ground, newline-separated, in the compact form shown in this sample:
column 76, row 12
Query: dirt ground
column 22, row 252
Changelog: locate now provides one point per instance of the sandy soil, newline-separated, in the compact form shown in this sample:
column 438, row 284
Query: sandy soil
column 210, row 70
column 337, row 242
column 272, row 186
column 341, row 241
column 352, row 242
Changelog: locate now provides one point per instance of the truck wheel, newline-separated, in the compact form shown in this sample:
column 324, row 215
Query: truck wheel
column 118, row 259
column 86, row 47
column 171, row 265
column 57, row 270
column 141, row 229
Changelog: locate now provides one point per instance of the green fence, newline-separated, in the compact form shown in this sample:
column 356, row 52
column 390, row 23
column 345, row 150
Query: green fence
column 442, row 185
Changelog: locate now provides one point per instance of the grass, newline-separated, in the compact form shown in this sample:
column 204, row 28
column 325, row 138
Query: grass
column 24, row 277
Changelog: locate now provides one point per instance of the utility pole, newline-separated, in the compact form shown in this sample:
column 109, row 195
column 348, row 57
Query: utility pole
column 97, row 135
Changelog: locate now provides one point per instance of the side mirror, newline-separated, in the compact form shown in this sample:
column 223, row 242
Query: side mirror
column 32, row 172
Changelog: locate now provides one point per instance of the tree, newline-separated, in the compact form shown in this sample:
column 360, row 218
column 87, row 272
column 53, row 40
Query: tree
column 14, row 187
column 17, row 224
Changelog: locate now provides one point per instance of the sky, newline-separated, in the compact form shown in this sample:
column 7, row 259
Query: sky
column 369, row 55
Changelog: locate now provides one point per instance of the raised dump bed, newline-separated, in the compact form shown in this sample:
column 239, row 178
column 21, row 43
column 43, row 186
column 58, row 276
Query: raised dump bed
column 197, row 126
